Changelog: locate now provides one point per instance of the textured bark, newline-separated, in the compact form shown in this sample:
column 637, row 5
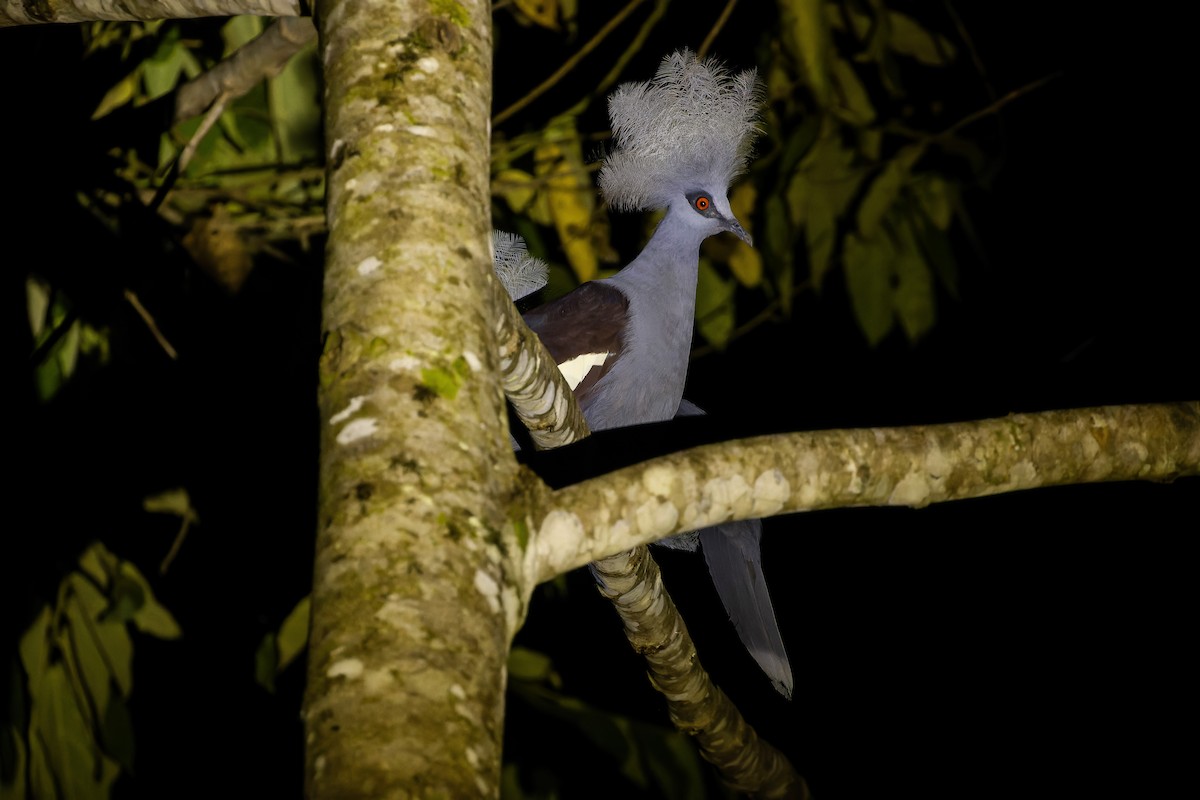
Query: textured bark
column 416, row 588
column 30, row 12
column 699, row 708
column 914, row 466
column 540, row 395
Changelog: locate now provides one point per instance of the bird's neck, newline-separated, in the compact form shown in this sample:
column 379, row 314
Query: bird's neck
column 661, row 287
column 665, row 272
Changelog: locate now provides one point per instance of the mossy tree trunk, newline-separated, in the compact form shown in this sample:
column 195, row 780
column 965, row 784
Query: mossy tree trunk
column 415, row 595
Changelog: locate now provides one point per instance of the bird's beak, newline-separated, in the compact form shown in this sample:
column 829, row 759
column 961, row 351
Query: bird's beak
column 735, row 227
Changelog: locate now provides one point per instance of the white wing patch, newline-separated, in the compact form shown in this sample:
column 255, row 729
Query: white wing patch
column 576, row 369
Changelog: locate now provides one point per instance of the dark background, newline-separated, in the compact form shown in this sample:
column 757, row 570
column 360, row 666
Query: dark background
column 1032, row 643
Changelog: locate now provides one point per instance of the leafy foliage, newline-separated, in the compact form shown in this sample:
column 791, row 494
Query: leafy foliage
column 75, row 735
column 852, row 173
column 844, row 182
column 651, row 758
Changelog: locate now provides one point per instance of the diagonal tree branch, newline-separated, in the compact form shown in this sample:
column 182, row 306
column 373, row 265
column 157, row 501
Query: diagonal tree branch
column 655, row 628
column 914, row 466
column 631, row 580
column 33, row 12
column 262, row 57
column 540, row 395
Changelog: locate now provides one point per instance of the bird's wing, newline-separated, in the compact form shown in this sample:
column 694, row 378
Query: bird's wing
column 734, row 556
column 584, row 330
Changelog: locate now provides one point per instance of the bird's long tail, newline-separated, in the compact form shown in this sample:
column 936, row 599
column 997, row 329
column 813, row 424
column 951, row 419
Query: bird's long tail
column 734, row 558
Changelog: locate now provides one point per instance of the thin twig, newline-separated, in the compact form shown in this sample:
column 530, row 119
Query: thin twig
column 716, row 28
column 151, row 324
column 965, row 35
column 568, row 65
column 181, row 161
column 996, row 106
column 175, row 546
column 635, row 44
column 40, row 352
column 210, row 119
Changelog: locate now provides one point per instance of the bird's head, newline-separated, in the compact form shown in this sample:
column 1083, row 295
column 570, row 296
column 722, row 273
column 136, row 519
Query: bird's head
column 680, row 140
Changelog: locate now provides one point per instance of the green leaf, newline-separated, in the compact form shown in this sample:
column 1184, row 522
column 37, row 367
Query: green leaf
column 938, row 252
column 778, row 244
column 828, row 169
column 120, row 94
column 855, row 106
column 80, row 771
column 172, row 501
column 870, row 143
column 746, row 264
column 160, row 74
column 240, row 30
column 99, row 564
column 126, row 597
column 520, row 190
column 293, row 633
column 879, row 198
column 116, row 732
column 912, row 297
column 150, row 616
column 820, row 233
column 37, row 304
column 540, row 12
column 799, row 143
column 779, row 253
column 800, row 191
column 41, row 775
column 671, row 761
column 14, row 757
column 117, row 646
column 559, row 162
column 81, row 647
column 933, row 195
column 910, row 39
column 662, row 761
column 530, row 665
column 868, row 265
column 805, row 30
column 34, row 648
column 885, row 189
column 293, row 98
column 13, row 753
column 266, row 663
column 744, row 261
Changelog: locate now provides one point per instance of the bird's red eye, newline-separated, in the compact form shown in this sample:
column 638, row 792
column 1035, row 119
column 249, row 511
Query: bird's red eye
column 702, row 203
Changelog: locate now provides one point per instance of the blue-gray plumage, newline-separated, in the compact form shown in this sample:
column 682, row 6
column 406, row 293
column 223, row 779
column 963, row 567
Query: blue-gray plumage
column 623, row 342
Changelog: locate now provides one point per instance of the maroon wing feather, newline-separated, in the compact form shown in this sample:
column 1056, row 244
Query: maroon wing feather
column 590, row 319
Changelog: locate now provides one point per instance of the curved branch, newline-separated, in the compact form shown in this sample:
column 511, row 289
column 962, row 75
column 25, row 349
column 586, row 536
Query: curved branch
column 914, row 466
